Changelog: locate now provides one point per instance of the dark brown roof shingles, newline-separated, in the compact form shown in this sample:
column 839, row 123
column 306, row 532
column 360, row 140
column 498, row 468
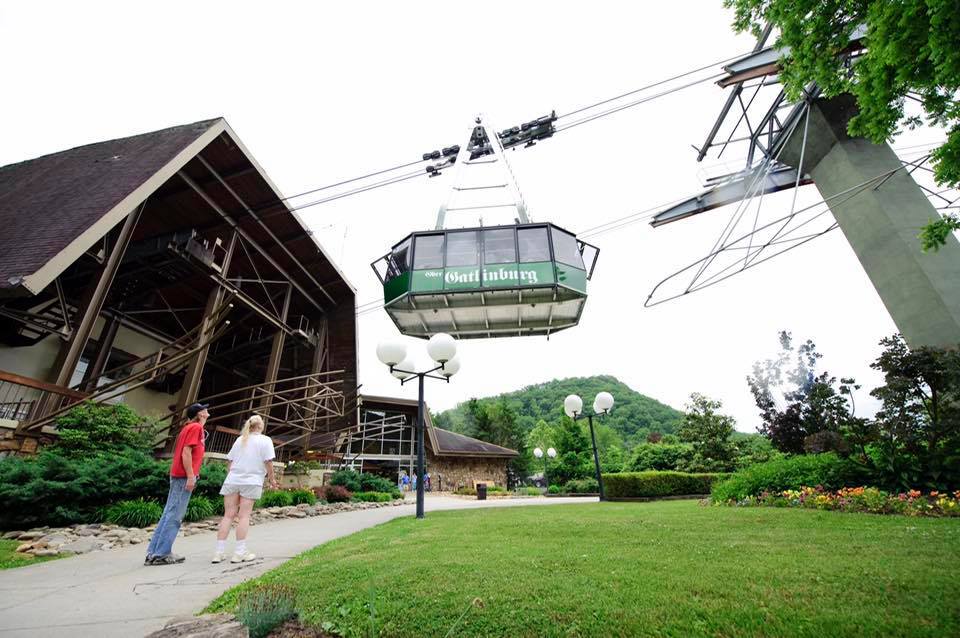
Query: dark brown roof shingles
column 47, row 202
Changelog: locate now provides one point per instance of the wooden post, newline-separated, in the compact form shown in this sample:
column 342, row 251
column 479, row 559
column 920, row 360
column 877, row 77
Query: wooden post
column 276, row 354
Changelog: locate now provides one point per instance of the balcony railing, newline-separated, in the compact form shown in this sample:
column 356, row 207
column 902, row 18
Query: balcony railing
column 23, row 399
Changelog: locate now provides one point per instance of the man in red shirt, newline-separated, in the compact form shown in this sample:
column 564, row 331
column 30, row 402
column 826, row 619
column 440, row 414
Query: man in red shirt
column 187, row 457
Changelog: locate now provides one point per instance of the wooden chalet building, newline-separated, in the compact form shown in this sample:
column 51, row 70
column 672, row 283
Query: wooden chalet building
column 159, row 270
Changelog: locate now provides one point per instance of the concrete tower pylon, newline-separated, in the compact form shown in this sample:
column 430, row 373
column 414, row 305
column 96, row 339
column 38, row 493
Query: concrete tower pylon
column 921, row 291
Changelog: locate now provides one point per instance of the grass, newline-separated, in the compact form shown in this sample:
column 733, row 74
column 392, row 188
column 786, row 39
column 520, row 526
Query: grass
column 9, row 558
column 632, row 569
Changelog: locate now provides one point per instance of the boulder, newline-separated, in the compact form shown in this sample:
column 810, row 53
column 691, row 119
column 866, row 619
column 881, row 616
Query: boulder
column 55, row 540
column 12, row 535
column 81, row 546
column 24, row 547
column 208, row 626
column 86, row 531
column 46, row 552
column 31, row 535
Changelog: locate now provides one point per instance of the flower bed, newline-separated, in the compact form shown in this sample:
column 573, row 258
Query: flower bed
column 858, row 499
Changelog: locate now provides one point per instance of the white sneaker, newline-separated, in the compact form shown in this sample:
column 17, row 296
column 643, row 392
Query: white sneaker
column 242, row 558
column 218, row 557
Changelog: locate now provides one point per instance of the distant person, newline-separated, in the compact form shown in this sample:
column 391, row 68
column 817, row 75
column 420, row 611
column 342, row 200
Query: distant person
column 426, row 481
column 184, row 471
column 250, row 461
column 405, row 482
column 413, row 483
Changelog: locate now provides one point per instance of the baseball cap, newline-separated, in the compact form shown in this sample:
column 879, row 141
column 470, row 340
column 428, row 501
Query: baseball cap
column 196, row 408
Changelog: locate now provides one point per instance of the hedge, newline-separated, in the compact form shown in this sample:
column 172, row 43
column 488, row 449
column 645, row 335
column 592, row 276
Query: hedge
column 791, row 473
column 655, row 484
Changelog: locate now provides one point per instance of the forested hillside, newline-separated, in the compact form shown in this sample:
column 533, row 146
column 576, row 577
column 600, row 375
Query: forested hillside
column 633, row 417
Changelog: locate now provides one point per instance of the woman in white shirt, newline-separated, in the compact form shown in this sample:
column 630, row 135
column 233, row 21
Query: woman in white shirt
column 251, row 459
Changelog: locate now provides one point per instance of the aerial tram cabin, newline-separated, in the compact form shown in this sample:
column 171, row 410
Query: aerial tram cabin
column 522, row 279
column 497, row 281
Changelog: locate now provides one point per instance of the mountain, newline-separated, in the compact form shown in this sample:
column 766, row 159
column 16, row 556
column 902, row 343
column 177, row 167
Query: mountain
column 634, row 415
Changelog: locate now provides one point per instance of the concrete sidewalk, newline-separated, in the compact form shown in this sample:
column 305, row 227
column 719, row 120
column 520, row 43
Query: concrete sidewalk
column 111, row 593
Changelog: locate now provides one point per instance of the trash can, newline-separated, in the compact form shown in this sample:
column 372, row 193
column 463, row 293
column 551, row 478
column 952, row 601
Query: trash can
column 481, row 491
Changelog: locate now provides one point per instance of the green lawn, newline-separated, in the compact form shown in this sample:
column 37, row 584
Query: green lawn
column 634, row 569
column 10, row 558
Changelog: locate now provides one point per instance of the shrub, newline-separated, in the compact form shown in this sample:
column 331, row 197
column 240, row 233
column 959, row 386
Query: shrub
column 302, row 496
column 92, row 428
column 266, row 607
column 582, row 486
column 374, row 483
column 465, row 491
column 348, row 479
column 658, row 484
column 275, row 498
column 554, row 489
column 212, row 475
column 333, row 493
column 199, row 508
column 139, row 513
column 790, row 473
column 372, row 497
column 528, row 491
column 660, row 456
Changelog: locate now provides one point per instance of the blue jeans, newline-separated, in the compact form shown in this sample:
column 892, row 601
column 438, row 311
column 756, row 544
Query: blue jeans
column 162, row 542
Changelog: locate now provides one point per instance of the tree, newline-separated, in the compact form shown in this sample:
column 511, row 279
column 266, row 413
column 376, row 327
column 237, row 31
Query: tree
column 918, row 424
column 574, row 453
column 543, row 436
column 92, row 428
column 709, row 433
column 911, row 53
column 795, row 402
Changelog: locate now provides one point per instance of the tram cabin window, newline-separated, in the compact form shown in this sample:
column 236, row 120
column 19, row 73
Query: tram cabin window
column 499, row 246
column 399, row 259
column 463, row 249
column 533, row 244
column 428, row 252
column 565, row 249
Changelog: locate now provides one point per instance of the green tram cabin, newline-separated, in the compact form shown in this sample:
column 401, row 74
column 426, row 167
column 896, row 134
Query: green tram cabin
column 497, row 281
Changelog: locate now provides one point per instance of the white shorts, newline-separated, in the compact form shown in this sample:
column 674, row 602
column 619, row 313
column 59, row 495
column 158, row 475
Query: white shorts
column 253, row 492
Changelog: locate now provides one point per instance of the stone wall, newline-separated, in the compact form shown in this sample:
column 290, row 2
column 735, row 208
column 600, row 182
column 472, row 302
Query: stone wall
column 16, row 444
column 447, row 473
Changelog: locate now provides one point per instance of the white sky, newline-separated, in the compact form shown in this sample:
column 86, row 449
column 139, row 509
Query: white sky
column 325, row 91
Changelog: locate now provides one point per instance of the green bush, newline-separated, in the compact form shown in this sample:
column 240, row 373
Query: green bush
column 465, row 491
column 303, row 496
column 212, row 475
column 373, row 483
column 529, row 491
column 199, row 508
column 791, row 473
column 91, row 428
column 660, row 456
column 348, row 479
column 658, row 484
column 265, row 608
column 138, row 513
column 373, row 497
column 554, row 489
column 581, row 486
column 275, row 498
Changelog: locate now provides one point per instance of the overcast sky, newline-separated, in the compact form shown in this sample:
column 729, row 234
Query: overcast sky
column 325, row 91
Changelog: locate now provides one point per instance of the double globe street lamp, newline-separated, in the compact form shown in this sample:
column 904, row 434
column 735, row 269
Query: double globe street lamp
column 537, row 452
column 442, row 348
column 602, row 403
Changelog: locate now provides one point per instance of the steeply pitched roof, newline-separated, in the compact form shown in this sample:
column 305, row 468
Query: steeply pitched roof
column 48, row 202
column 443, row 442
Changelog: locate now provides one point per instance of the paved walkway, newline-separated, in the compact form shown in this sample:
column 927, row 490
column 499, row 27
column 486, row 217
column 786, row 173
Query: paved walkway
column 111, row 593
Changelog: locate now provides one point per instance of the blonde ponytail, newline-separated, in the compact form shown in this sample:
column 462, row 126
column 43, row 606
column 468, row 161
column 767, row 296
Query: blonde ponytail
column 255, row 422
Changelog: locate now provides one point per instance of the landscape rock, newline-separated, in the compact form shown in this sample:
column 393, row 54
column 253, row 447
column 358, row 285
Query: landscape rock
column 12, row 535
column 46, row 552
column 23, row 547
column 208, row 626
column 33, row 534
column 81, row 546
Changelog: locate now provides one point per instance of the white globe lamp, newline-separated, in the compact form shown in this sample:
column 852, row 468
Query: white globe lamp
column 451, row 367
column 537, row 452
column 402, row 369
column 603, row 402
column 391, row 352
column 442, row 347
column 572, row 405
column 551, row 453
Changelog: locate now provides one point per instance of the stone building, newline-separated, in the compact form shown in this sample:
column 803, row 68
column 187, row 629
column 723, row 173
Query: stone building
column 383, row 442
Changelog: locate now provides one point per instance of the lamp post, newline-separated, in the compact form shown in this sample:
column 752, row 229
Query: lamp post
column 537, row 452
column 442, row 348
column 573, row 406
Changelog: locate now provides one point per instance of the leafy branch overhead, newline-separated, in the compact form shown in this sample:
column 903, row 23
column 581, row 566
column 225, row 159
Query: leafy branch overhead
column 911, row 53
